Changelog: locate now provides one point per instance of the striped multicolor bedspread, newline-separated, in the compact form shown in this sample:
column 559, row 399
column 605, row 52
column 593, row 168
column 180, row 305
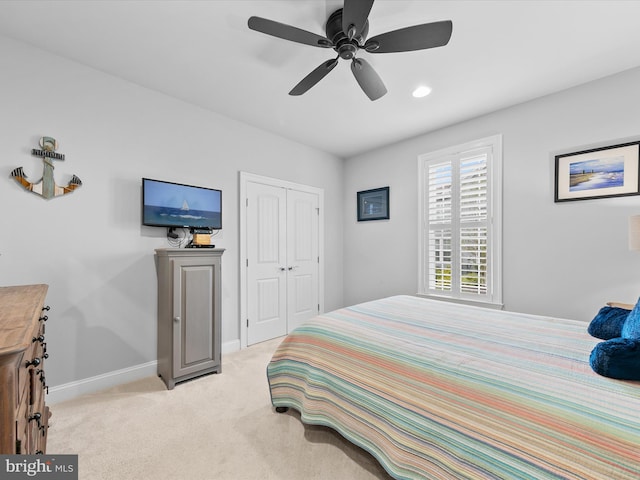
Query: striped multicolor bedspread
column 444, row 391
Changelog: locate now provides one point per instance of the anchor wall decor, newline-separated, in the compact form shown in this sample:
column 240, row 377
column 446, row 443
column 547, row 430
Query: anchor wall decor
column 46, row 186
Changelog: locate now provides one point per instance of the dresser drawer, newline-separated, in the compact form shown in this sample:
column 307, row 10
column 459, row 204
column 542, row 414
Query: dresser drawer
column 31, row 361
column 23, row 376
column 22, row 434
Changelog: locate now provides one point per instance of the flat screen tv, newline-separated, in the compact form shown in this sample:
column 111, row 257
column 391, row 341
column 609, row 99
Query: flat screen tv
column 174, row 205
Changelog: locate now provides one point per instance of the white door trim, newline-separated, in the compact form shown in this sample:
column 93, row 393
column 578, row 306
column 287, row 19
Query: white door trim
column 245, row 178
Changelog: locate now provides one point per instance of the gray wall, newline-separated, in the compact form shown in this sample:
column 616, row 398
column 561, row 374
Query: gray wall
column 563, row 259
column 89, row 246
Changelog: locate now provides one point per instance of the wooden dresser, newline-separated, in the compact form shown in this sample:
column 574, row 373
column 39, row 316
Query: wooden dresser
column 24, row 417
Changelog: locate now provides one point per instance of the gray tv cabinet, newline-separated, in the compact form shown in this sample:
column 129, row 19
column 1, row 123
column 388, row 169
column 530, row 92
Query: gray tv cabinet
column 189, row 313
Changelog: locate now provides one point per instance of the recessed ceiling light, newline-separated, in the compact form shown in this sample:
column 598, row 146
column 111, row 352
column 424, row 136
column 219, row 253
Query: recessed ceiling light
column 421, row 91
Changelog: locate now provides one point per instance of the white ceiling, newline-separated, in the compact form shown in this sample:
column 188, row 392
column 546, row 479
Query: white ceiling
column 501, row 53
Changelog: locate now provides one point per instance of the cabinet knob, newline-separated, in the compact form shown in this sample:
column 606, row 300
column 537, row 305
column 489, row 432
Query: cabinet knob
column 47, row 308
column 44, row 318
column 176, row 319
column 39, row 338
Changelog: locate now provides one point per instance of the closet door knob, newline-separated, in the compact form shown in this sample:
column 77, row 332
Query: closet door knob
column 176, row 319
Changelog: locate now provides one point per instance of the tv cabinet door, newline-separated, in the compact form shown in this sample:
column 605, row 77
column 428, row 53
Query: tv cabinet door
column 195, row 301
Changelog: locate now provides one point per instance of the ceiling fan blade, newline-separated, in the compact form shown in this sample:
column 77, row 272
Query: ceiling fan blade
column 354, row 16
column 417, row 37
column 314, row 77
column 368, row 79
column 288, row 32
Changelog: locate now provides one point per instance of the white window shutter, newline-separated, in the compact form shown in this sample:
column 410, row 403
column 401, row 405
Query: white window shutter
column 458, row 259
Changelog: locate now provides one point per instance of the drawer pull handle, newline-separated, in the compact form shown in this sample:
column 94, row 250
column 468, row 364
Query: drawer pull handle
column 36, row 416
column 35, row 362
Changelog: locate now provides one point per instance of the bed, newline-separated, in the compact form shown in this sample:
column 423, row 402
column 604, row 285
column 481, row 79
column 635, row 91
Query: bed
column 439, row 390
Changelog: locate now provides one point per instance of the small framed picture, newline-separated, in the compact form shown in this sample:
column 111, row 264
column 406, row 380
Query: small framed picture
column 373, row 204
column 612, row 171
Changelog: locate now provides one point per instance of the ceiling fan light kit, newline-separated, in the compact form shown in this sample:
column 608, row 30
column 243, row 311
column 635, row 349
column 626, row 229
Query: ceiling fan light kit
column 346, row 32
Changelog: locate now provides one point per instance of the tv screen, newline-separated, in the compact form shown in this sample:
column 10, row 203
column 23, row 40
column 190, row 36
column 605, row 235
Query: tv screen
column 168, row 204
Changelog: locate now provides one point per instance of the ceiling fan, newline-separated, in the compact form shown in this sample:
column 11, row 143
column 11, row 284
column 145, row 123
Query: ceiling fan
column 347, row 30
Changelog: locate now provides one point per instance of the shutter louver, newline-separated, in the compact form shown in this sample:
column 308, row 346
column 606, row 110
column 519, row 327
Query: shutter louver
column 473, row 227
column 440, row 177
column 440, row 210
column 473, row 189
column 473, row 260
column 440, row 266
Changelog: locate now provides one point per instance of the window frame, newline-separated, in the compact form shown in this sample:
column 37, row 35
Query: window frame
column 493, row 144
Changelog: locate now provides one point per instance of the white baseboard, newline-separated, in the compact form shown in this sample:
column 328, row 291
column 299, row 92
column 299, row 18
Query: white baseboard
column 72, row 390
column 231, row 347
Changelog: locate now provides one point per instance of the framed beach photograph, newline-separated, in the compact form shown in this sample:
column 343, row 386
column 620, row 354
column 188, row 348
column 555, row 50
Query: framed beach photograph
column 373, row 204
column 604, row 172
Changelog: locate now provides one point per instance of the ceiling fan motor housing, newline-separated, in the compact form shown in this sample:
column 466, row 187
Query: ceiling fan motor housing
column 346, row 48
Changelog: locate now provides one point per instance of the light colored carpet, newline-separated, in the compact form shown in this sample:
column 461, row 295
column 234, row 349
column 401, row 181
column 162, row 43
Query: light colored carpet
column 220, row 427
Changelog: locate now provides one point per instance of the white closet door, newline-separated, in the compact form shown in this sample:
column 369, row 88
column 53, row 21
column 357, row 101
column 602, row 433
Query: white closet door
column 302, row 257
column 266, row 262
column 283, row 250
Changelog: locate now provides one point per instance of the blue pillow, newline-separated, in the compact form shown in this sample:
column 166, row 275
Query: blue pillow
column 631, row 327
column 617, row 358
column 608, row 323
